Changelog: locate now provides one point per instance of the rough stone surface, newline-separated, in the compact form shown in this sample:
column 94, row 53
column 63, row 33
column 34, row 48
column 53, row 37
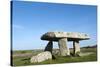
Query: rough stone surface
column 41, row 57
column 55, row 36
column 64, row 50
column 76, row 47
column 56, row 52
column 49, row 46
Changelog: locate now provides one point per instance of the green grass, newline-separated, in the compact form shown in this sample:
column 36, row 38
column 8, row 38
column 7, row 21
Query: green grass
column 20, row 61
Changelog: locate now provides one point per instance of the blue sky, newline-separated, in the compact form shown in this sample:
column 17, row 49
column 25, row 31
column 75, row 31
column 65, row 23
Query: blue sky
column 32, row 19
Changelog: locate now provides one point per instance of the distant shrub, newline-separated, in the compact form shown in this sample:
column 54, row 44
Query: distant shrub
column 23, row 51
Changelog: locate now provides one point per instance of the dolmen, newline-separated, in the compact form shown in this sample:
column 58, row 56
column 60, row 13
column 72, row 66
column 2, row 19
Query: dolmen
column 62, row 38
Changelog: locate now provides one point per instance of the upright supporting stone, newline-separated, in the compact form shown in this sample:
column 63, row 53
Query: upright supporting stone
column 64, row 50
column 49, row 46
column 76, row 48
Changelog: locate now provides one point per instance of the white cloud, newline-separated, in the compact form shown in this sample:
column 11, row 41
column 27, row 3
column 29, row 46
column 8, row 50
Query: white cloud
column 18, row 26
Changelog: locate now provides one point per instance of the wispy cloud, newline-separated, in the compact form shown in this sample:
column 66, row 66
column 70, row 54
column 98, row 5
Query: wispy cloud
column 18, row 26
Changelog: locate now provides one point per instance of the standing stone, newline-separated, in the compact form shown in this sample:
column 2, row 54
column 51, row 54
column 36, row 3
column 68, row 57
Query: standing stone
column 49, row 46
column 76, row 48
column 64, row 50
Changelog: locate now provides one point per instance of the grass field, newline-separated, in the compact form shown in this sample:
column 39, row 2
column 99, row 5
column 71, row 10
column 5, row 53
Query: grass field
column 22, row 57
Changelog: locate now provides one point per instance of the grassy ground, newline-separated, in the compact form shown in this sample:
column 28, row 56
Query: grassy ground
column 21, row 58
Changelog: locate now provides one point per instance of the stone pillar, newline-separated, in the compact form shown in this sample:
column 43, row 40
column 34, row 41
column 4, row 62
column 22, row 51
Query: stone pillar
column 49, row 46
column 64, row 50
column 76, row 48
